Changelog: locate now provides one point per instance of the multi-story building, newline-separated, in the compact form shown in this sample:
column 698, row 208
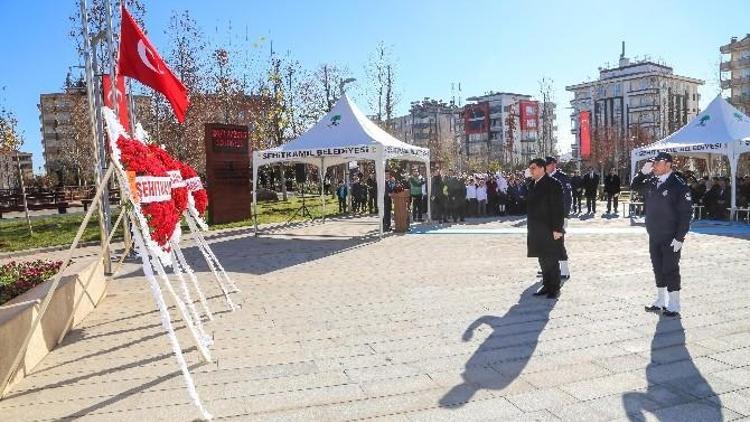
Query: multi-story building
column 431, row 124
column 629, row 105
column 735, row 72
column 9, row 169
column 63, row 116
column 507, row 128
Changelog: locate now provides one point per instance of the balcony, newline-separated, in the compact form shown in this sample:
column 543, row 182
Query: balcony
column 735, row 64
column 643, row 107
column 729, row 83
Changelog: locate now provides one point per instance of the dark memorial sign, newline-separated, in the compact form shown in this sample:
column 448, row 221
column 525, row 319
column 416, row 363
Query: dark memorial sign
column 228, row 172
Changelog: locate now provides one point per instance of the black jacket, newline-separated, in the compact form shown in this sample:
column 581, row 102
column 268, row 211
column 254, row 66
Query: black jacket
column 576, row 185
column 590, row 185
column 437, row 187
column 668, row 207
column 567, row 190
column 545, row 214
column 612, row 183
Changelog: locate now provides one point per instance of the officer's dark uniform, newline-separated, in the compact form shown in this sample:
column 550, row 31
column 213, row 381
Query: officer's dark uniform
column 668, row 212
column 576, row 184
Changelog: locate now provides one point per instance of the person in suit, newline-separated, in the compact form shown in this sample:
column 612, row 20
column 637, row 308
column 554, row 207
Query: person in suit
column 545, row 219
column 576, row 185
column 390, row 185
column 717, row 199
column 590, row 188
column 439, row 200
column 669, row 208
column 372, row 191
column 564, row 180
column 612, row 189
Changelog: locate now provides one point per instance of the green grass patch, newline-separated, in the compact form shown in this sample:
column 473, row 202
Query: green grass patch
column 61, row 229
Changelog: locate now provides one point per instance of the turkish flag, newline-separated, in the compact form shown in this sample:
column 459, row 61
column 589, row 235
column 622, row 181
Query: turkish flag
column 122, row 101
column 139, row 60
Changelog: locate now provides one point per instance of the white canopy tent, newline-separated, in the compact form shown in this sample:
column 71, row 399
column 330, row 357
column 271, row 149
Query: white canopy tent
column 720, row 129
column 341, row 136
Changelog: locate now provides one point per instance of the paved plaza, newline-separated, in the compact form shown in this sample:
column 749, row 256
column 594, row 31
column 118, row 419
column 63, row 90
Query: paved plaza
column 437, row 325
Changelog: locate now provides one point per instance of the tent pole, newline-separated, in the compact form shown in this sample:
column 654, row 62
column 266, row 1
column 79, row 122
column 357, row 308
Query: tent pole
column 322, row 187
column 733, row 164
column 380, row 176
column 429, row 191
column 255, row 198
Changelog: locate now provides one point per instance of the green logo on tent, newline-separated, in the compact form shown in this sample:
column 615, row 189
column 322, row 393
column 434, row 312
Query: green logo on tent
column 703, row 120
column 335, row 120
column 737, row 116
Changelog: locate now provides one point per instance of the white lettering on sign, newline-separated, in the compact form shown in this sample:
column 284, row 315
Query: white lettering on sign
column 153, row 188
column 176, row 178
column 194, row 184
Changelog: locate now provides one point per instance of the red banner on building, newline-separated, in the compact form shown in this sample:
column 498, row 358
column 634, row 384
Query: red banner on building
column 529, row 115
column 122, row 101
column 584, row 130
column 477, row 118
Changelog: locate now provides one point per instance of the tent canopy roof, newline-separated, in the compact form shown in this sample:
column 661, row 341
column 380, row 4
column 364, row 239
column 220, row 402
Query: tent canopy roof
column 343, row 134
column 716, row 130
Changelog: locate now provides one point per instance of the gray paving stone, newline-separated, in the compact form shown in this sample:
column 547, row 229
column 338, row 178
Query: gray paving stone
column 327, row 331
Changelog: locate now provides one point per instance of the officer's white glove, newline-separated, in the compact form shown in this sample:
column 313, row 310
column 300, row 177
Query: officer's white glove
column 676, row 245
column 527, row 173
column 646, row 169
column 565, row 223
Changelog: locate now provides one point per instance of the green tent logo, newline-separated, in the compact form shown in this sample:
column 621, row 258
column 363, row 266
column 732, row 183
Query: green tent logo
column 335, row 120
column 703, row 120
column 737, row 116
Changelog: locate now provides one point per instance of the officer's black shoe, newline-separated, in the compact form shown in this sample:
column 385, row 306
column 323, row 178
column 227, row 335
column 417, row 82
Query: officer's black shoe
column 541, row 292
column 553, row 295
column 670, row 314
column 655, row 309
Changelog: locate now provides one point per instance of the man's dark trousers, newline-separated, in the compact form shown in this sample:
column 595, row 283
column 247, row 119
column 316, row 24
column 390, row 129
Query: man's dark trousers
column 666, row 264
column 550, row 273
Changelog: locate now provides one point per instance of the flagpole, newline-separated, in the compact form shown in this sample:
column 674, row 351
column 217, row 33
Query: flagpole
column 97, row 130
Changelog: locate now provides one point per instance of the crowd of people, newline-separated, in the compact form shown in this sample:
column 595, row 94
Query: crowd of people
column 460, row 195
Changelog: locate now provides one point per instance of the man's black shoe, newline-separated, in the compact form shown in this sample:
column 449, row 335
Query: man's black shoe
column 553, row 295
column 655, row 309
column 671, row 314
column 541, row 292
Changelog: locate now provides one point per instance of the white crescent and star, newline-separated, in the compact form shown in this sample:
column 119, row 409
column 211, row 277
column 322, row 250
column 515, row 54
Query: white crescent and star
column 142, row 50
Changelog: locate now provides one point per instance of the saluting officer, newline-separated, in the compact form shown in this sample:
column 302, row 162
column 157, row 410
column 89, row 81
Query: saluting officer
column 668, row 211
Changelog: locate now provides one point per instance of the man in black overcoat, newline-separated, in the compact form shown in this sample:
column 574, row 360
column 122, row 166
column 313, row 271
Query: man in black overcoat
column 545, row 219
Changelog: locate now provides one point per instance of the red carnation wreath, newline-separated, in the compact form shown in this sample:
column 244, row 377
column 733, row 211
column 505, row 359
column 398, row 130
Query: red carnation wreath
column 195, row 187
column 162, row 216
column 179, row 187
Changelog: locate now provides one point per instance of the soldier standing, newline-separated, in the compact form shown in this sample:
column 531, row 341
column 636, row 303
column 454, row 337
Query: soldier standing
column 668, row 211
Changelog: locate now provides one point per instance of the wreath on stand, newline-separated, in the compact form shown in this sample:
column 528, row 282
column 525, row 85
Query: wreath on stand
column 150, row 187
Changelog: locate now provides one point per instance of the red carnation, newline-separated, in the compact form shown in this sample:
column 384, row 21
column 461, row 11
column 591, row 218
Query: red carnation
column 162, row 216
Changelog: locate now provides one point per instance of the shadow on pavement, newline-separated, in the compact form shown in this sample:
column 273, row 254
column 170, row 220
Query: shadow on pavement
column 673, row 379
column 504, row 354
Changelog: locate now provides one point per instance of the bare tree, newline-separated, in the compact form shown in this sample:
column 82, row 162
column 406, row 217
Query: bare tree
column 381, row 93
column 329, row 77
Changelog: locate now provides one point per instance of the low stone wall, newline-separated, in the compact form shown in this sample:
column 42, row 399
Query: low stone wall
column 17, row 315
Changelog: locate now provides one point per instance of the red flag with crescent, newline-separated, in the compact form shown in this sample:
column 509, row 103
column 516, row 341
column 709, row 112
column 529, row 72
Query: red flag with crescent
column 139, row 60
column 118, row 95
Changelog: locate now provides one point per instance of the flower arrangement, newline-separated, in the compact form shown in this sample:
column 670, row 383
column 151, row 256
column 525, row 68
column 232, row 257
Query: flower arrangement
column 179, row 188
column 19, row 277
column 198, row 192
column 162, row 216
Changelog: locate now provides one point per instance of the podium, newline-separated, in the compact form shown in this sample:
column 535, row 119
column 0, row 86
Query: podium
column 401, row 211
